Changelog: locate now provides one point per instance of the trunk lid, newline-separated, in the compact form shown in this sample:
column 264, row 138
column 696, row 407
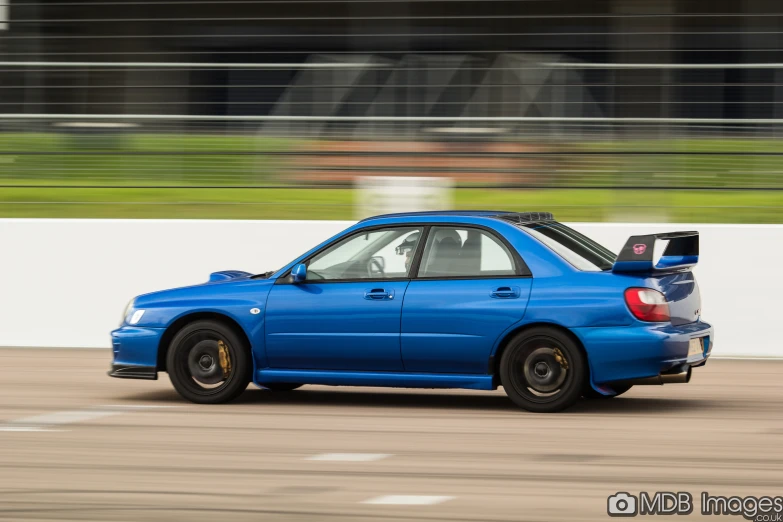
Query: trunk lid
column 682, row 294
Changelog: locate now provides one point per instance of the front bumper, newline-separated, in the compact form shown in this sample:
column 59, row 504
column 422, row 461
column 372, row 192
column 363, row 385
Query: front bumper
column 130, row 371
column 135, row 352
column 645, row 350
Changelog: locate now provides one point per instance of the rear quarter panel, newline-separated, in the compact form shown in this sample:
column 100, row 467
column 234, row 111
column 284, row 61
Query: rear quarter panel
column 575, row 300
column 566, row 296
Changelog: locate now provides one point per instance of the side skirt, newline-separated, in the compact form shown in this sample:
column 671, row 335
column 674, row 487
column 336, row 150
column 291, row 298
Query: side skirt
column 384, row 379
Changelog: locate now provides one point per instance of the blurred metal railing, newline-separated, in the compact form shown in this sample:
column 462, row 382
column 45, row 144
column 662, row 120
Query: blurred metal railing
column 632, row 98
column 134, row 150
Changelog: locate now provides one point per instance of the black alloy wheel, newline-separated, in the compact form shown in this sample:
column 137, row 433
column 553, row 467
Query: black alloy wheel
column 543, row 370
column 208, row 363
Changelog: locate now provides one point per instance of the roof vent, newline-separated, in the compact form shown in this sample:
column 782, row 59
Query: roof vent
column 527, row 217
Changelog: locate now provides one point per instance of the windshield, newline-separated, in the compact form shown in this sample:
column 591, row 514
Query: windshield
column 579, row 250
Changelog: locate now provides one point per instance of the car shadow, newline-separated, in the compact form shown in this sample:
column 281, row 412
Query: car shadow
column 438, row 400
column 629, row 405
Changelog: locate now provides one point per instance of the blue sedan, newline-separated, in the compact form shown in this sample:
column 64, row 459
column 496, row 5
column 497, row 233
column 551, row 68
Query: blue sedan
column 461, row 299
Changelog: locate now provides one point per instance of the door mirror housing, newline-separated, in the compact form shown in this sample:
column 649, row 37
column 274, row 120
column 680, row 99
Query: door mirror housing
column 299, row 273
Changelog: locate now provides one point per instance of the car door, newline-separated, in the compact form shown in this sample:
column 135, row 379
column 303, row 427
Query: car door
column 346, row 314
column 471, row 287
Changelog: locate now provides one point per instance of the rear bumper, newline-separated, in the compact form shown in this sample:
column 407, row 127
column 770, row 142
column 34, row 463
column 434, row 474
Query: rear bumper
column 135, row 352
column 636, row 352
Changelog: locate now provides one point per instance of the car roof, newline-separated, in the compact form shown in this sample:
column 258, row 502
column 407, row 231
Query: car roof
column 514, row 217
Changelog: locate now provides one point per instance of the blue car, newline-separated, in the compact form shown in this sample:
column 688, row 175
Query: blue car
column 460, row 299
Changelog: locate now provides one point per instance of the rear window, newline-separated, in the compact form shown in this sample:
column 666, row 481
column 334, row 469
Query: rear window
column 578, row 249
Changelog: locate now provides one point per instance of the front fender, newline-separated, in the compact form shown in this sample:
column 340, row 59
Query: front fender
column 241, row 311
column 242, row 302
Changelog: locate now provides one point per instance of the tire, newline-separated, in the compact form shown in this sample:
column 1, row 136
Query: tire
column 533, row 377
column 195, row 367
column 281, row 386
column 590, row 393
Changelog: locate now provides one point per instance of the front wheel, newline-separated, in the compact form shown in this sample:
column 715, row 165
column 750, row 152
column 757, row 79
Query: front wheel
column 208, row 363
column 543, row 370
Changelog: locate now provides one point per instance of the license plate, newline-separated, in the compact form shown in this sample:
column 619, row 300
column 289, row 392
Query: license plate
column 696, row 346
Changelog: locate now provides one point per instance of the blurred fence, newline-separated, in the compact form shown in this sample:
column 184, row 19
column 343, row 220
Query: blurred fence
column 522, row 152
column 243, row 109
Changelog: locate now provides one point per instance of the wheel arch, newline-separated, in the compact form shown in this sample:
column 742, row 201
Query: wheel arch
column 181, row 322
column 494, row 360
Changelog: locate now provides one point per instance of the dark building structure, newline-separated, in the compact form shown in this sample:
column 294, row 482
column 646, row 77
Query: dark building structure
column 631, row 58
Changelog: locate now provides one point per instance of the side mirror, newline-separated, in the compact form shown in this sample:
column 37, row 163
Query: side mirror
column 299, row 273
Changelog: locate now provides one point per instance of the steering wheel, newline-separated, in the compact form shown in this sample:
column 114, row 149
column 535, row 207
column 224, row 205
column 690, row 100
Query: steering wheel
column 374, row 267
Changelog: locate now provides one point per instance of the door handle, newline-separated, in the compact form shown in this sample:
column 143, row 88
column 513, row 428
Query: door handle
column 379, row 294
column 505, row 292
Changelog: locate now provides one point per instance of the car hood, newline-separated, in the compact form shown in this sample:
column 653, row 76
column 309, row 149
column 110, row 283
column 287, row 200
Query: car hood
column 225, row 284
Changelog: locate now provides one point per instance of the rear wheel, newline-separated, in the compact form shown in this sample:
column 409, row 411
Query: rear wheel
column 281, row 386
column 208, row 363
column 590, row 393
column 543, row 370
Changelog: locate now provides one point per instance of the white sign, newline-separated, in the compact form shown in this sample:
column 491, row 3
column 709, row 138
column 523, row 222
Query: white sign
column 390, row 194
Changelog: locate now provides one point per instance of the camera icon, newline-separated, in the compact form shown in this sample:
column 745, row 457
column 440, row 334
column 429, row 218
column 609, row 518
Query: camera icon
column 622, row 504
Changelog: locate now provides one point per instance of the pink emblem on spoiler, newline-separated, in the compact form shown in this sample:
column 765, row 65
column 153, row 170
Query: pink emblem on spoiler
column 639, row 248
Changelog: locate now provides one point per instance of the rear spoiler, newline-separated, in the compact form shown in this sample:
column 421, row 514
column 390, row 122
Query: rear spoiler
column 682, row 252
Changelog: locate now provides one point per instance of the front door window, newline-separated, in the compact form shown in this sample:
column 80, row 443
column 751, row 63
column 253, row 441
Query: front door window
column 385, row 253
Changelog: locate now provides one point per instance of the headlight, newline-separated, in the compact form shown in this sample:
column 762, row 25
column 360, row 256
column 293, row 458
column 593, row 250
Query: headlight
column 136, row 317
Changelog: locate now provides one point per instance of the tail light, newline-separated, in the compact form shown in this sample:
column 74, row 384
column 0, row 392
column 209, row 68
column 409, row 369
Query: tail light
column 647, row 305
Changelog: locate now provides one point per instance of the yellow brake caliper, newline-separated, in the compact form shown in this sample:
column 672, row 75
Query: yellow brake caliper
column 225, row 359
column 560, row 358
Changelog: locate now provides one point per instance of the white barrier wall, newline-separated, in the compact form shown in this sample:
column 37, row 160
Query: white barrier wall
column 66, row 282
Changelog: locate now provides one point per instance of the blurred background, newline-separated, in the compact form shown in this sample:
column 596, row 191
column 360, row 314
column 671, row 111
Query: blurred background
column 608, row 110
column 623, row 111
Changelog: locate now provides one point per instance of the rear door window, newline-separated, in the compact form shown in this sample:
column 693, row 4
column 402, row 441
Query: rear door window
column 465, row 252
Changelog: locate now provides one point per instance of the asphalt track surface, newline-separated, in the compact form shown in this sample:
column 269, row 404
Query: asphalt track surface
column 78, row 445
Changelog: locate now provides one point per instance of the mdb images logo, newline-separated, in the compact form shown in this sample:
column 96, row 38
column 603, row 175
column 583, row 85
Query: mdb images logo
column 757, row 509
column 623, row 504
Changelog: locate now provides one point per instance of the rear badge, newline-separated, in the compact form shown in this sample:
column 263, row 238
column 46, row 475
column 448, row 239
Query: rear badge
column 639, row 249
column 255, row 311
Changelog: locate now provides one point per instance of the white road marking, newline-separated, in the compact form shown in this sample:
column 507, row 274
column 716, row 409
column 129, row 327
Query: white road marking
column 45, row 421
column 26, row 428
column 349, row 457
column 63, row 417
column 133, row 407
column 408, row 500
